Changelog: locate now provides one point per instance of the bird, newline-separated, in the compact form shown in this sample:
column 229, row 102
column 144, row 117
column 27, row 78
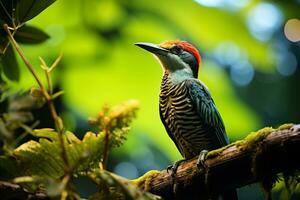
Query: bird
column 187, row 109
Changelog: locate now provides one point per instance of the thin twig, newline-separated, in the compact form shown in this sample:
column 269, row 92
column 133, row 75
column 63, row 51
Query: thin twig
column 27, row 63
column 106, row 149
column 27, row 130
column 55, row 62
column 48, row 98
column 46, row 69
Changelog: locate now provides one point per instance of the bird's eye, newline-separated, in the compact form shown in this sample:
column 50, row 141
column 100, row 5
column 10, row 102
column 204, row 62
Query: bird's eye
column 176, row 49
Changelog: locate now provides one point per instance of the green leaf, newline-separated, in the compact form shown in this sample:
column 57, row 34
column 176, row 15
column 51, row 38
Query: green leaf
column 89, row 151
column 43, row 158
column 30, row 35
column 6, row 10
column 115, row 187
column 9, row 64
column 19, row 11
column 28, row 9
column 48, row 133
column 117, row 119
column 36, row 159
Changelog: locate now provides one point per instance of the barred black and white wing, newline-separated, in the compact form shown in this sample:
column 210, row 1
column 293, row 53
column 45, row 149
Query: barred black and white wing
column 208, row 112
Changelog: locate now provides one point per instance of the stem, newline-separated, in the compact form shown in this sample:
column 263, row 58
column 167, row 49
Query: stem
column 105, row 151
column 28, row 129
column 27, row 63
column 46, row 95
column 47, row 74
column 49, row 80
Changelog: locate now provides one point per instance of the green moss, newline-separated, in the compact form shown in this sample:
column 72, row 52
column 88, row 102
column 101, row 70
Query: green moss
column 291, row 182
column 251, row 140
column 285, row 126
column 260, row 157
column 143, row 181
column 259, row 167
column 216, row 152
column 254, row 138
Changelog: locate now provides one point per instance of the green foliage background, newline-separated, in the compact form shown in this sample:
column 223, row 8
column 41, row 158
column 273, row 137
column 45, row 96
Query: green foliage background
column 101, row 64
column 98, row 70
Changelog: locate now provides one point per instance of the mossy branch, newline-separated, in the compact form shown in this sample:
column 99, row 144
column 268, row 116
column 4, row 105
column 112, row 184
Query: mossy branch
column 257, row 158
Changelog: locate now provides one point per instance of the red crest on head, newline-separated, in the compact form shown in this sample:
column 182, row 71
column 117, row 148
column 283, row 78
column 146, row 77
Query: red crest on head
column 185, row 46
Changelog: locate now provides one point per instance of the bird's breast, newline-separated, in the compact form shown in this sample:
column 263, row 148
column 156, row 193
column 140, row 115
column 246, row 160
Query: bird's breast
column 174, row 101
column 181, row 120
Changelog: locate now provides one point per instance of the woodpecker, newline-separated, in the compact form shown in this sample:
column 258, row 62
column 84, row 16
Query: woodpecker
column 187, row 109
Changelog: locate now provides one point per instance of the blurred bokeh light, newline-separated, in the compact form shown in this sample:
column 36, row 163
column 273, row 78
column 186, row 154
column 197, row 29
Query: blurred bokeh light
column 292, row 30
column 263, row 20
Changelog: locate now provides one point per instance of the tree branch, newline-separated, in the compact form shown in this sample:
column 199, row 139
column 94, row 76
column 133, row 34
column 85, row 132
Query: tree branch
column 257, row 158
column 13, row 191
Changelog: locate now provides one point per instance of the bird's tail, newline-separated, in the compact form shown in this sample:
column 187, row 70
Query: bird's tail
column 230, row 195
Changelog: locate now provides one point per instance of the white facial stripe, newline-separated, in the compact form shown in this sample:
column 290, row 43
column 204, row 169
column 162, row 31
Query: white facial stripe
column 172, row 62
column 179, row 70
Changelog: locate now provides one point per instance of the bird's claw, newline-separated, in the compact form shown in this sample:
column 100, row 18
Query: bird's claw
column 169, row 168
column 173, row 168
column 201, row 159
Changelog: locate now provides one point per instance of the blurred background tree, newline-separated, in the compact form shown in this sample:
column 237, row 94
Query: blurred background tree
column 250, row 53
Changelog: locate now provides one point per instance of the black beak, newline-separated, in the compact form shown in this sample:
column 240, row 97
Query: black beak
column 153, row 48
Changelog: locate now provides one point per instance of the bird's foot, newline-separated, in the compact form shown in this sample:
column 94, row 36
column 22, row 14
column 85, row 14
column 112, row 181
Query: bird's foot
column 201, row 159
column 173, row 168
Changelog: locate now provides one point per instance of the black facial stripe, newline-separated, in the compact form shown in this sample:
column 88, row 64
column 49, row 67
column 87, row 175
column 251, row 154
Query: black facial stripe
column 191, row 61
column 176, row 50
